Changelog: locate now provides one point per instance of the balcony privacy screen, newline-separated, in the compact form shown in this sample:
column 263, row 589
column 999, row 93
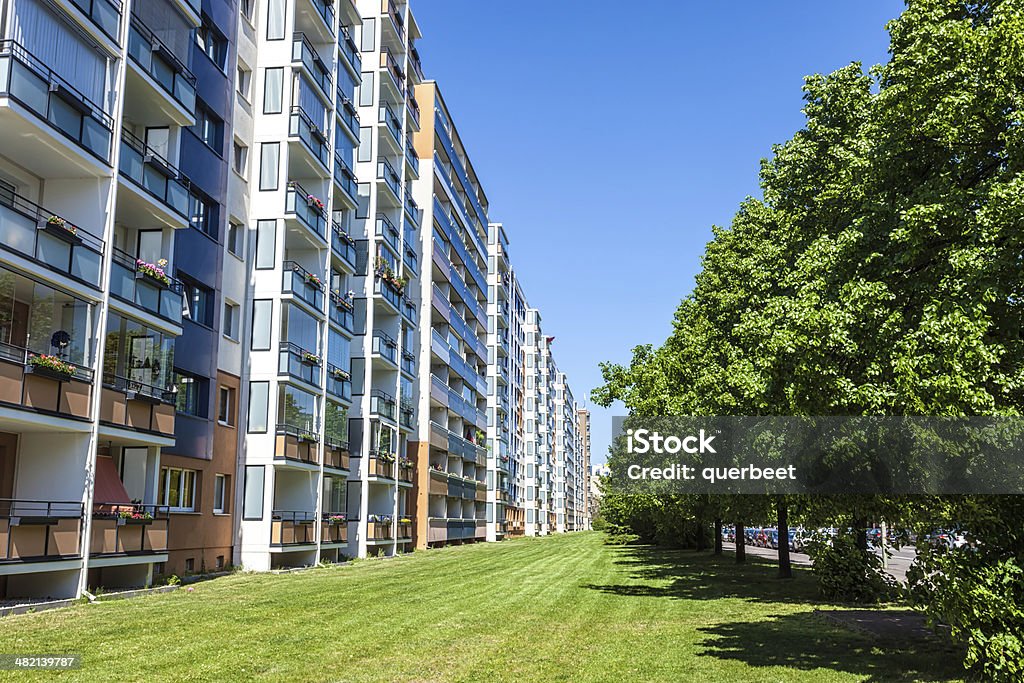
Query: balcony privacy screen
column 48, row 38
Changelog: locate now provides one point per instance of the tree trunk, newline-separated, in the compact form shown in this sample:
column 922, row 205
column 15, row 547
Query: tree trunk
column 718, row 537
column 860, row 533
column 699, row 535
column 785, row 567
column 741, row 545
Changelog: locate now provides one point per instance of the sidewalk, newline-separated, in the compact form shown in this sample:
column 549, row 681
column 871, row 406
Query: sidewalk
column 899, row 561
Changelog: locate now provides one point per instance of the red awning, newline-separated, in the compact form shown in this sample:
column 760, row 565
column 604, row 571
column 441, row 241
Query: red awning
column 109, row 488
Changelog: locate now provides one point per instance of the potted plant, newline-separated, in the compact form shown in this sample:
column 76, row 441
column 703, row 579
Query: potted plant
column 314, row 202
column 153, row 271
column 340, row 375
column 386, row 457
column 61, row 228
column 336, row 518
column 51, row 366
column 312, row 279
column 306, row 436
column 405, row 463
column 310, row 358
column 135, row 516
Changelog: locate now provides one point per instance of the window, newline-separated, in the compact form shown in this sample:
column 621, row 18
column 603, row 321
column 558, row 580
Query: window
column 269, row 154
column 365, row 152
column 190, row 394
column 177, row 489
column 190, row 565
column 240, row 159
column 252, row 502
column 226, row 406
column 230, row 324
column 212, row 43
column 259, row 397
column 275, row 22
column 220, row 494
column 245, row 7
column 200, row 302
column 366, row 88
column 262, row 313
column 369, row 35
column 266, row 248
column 244, row 83
column 202, row 213
column 273, row 87
column 235, row 238
column 209, row 128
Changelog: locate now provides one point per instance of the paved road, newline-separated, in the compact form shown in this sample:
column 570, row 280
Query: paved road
column 898, row 563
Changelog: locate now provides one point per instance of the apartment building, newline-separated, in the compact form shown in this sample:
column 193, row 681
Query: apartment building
column 223, row 340
column 585, row 502
column 450, row 452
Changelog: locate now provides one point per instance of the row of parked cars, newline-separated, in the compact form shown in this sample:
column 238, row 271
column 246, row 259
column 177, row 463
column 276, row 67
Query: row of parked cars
column 768, row 537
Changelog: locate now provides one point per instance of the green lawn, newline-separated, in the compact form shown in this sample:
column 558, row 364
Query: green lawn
column 562, row 608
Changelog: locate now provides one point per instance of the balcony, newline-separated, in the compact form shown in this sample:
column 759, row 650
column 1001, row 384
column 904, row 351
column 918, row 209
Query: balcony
column 380, row 528
column 386, row 348
column 388, row 292
column 292, row 527
column 303, row 52
column 303, row 285
column 119, row 529
column 296, row 444
column 349, row 52
column 32, row 386
column 439, row 391
column 343, row 245
column 413, row 109
column 409, row 311
column 412, row 210
column 334, row 528
column 297, row 362
column 394, row 126
column 307, row 209
column 164, row 89
column 382, row 404
column 339, row 382
column 403, row 530
column 346, row 111
column 345, row 179
column 39, row 531
column 316, row 17
column 395, row 81
column 104, row 14
column 49, row 240
column 412, row 262
column 131, row 404
column 387, row 231
column 389, row 177
column 157, row 184
column 415, row 63
column 394, row 25
column 342, row 312
column 30, row 83
column 406, row 413
column 163, row 299
column 336, row 455
column 314, row 141
column 412, row 160
column 381, row 465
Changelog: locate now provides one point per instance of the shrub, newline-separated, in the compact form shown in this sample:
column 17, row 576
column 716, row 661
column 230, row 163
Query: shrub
column 845, row 573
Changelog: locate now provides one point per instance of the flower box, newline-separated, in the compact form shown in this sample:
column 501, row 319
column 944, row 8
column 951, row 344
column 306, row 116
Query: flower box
column 314, row 202
column 310, row 358
column 61, row 229
column 50, row 367
column 152, row 271
column 340, row 375
column 314, row 280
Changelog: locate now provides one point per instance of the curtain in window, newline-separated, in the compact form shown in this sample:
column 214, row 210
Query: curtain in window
column 63, row 50
column 275, row 19
column 311, row 103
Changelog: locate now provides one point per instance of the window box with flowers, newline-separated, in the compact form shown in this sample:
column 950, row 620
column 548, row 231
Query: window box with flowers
column 314, row 202
column 405, row 463
column 50, row 367
column 386, row 457
column 310, row 358
column 344, row 300
column 336, row 518
column 306, row 437
column 61, row 229
column 314, row 280
column 134, row 517
column 340, row 375
column 153, row 271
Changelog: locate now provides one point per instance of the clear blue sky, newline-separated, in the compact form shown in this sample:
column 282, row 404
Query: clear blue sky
column 610, row 136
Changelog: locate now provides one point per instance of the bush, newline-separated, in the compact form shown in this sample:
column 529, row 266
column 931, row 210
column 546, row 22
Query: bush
column 845, row 573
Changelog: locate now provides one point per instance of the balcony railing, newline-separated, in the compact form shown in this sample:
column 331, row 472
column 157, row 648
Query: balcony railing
column 334, row 531
column 303, row 51
column 414, row 60
column 129, row 284
column 140, row 391
column 387, row 173
column 342, row 312
column 325, row 8
column 392, row 122
column 390, row 64
column 129, row 529
column 306, row 208
column 105, row 14
column 347, row 113
column 412, row 209
column 409, row 310
column 154, row 174
column 157, row 60
column 297, row 443
column 382, row 403
column 389, row 292
column 343, row 244
column 413, row 108
column 387, row 230
column 339, row 382
column 349, row 50
column 412, row 261
column 38, row 530
column 345, row 177
column 412, row 157
column 300, row 125
column 295, row 361
column 303, row 284
column 25, row 79
column 292, row 527
column 385, row 346
column 48, row 239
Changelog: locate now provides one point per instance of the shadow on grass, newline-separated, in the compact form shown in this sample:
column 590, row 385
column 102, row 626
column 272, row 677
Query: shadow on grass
column 688, row 575
column 806, row 642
